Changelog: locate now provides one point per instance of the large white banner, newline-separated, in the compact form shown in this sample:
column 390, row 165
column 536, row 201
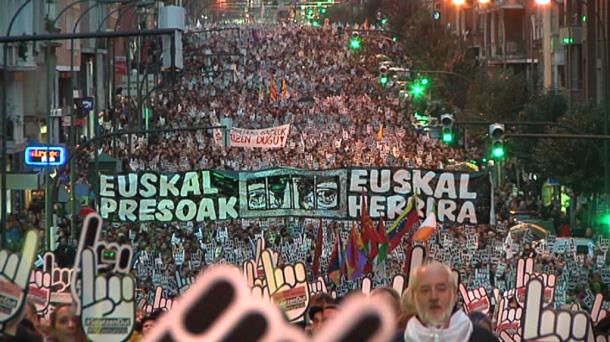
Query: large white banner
column 273, row 137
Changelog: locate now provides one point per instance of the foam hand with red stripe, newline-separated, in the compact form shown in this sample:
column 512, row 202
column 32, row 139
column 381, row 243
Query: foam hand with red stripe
column 287, row 286
column 542, row 324
column 15, row 271
column 219, row 307
column 525, row 272
column 475, row 300
column 40, row 285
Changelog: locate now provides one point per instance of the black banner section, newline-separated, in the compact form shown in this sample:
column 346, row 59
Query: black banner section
column 208, row 195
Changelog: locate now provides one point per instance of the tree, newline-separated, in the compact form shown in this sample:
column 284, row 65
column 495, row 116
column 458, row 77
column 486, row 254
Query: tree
column 497, row 97
column 577, row 164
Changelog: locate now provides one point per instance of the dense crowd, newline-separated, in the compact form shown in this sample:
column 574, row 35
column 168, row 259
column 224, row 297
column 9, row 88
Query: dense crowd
column 340, row 116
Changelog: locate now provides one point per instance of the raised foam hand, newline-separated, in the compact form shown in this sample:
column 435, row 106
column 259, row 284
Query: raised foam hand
column 15, row 271
column 118, row 262
column 525, row 272
column 398, row 284
column 255, row 266
column 183, row 282
column 418, row 255
column 160, row 302
column 41, row 282
column 319, row 286
column 597, row 313
column 366, row 285
column 107, row 302
column 508, row 320
column 475, row 300
column 287, row 286
column 552, row 325
column 219, row 307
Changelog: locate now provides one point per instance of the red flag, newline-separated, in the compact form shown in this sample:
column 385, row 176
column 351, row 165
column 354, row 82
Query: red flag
column 368, row 230
column 318, row 251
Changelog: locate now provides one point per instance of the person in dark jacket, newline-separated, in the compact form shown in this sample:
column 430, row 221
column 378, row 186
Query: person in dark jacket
column 434, row 294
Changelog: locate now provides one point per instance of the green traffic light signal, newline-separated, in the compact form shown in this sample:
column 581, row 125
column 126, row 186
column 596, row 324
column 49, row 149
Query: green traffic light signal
column 447, row 137
column 384, row 21
column 424, row 81
column 355, row 43
column 417, row 90
column 605, row 219
column 384, row 79
column 497, row 151
column 322, row 10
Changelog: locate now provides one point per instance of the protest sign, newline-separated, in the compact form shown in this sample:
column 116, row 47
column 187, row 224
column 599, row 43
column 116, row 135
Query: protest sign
column 274, row 137
column 209, row 195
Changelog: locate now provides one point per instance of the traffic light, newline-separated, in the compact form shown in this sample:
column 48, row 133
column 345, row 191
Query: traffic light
column 419, row 86
column 383, row 76
column 447, row 128
column 309, row 14
column 355, row 42
column 496, row 134
column 383, row 79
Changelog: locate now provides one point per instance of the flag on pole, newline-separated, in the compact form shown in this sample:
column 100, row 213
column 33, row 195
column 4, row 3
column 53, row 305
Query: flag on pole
column 318, row 251
column 356, row 259
column 403, row 224
column 272, row 89
column 336, row 264
column 366, row 24
column 380, row 133
column 284, row 88
column 426, row 229
column 382, row 248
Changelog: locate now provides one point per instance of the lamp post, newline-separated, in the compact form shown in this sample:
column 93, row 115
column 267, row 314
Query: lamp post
column 3, row 187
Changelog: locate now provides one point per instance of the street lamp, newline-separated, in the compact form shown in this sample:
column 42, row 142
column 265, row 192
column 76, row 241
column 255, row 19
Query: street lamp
column 543, row 2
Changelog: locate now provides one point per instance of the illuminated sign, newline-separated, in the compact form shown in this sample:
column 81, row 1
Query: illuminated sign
column 45, row 155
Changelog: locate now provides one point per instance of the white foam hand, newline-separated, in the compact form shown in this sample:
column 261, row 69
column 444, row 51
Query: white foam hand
column 108, row 308
column 219, row 308
column 287, row 286
column 398, row 284
column 508, row 320
column 253, row 269
column 15, row 271
column 89, row 238
column 319, row 286
column 552, row 325
column 160, row 302
column 40, row 285
column 366, row 285
column 418, row 255
column 597, row 313
column 183, row 282
column 475, row 300
column 525, row 272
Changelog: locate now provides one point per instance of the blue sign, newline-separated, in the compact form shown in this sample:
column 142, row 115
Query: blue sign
column 45, row 155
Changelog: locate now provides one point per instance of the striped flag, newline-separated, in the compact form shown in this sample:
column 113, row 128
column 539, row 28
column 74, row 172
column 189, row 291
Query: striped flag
column 272, row 89
column 336, row 264
column 403, row 224
column 284, row 88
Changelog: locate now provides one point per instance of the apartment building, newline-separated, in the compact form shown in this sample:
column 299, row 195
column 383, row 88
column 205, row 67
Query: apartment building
column 561, row 45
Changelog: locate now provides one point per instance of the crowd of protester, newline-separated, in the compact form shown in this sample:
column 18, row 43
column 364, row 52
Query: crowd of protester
column 340, row 116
